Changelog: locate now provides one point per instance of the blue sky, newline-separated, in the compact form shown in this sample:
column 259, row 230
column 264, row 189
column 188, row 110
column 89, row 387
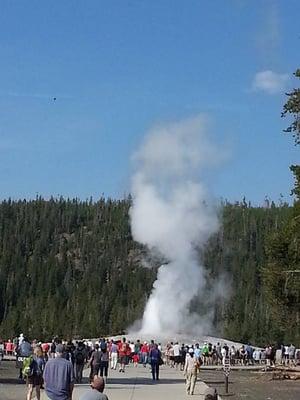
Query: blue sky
column 119, row 67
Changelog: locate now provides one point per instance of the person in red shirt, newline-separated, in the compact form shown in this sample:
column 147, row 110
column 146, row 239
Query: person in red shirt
column 135, row 359
column 123, row 350
column 9, row 347
column 145, row 352
column 45, row 349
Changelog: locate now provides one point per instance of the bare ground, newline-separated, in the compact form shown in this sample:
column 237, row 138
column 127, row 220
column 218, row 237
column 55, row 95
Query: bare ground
column 250, row 385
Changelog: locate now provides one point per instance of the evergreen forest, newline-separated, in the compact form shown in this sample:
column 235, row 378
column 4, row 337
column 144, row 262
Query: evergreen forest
column 71, row 268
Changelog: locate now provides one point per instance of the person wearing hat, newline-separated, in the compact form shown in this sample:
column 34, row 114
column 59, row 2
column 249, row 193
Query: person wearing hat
column 96, row 391
column 59, row 376
column 190, row 371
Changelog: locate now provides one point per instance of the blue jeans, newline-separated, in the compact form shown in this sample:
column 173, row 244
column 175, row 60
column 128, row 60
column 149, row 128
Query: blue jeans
column 145, row 358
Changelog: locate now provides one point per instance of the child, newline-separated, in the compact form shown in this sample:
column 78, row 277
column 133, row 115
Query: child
column 136, row 359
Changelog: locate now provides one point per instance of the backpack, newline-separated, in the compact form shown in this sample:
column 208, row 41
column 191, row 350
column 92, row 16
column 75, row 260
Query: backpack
column 103, row 346
column 27, row 369
column 37, row 367
column 79, row 357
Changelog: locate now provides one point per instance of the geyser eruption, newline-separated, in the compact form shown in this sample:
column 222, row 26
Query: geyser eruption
column 173, row 214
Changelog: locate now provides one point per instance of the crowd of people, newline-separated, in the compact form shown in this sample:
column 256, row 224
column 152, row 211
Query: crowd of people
column 56, row 366
column 210, row 354
column 40, row 363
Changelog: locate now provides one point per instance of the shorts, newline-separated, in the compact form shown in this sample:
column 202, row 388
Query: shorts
column 123, row 359
column 35, row 380
column 177, row 359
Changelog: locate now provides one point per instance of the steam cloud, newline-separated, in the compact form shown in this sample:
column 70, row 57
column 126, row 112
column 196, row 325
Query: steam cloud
column 172, row 213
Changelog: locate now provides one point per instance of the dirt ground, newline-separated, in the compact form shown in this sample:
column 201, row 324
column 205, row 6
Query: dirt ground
column 250, row 385
column 246, row 385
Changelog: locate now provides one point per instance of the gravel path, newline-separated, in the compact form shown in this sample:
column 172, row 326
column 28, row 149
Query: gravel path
column 136, row 384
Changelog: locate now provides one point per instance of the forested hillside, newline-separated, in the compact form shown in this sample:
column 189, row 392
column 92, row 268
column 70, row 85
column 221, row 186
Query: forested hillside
column 69, row 267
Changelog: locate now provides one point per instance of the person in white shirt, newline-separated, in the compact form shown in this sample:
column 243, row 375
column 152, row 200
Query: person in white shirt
column 256, row 356
column 191, row 368
column 132, row 346
column 286, row 355
column 171, row 355
column 176, row 350
column 113, row 355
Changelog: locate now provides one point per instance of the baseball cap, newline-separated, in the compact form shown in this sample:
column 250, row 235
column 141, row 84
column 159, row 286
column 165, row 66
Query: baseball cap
column 191, row 350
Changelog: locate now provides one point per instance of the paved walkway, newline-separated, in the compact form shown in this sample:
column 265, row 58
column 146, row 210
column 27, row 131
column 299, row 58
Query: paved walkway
column 137, row 384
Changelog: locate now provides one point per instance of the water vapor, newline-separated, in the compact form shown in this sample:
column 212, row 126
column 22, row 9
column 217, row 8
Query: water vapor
column 172, row 213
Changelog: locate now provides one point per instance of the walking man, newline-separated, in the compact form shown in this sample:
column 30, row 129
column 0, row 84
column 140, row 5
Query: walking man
column 59, row 377
column 123, row 354
column 190, row 371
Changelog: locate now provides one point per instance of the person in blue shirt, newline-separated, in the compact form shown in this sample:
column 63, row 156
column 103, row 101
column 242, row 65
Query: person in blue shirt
column 155, row 357
column 59, row 376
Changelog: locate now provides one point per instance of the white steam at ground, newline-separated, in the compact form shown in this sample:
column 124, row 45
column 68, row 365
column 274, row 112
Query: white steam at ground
column 172, row 213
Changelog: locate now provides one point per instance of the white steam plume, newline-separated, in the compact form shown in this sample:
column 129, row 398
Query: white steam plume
column 172, row 213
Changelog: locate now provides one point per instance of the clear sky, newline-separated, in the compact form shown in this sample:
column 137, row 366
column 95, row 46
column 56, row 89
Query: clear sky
column 117, row 67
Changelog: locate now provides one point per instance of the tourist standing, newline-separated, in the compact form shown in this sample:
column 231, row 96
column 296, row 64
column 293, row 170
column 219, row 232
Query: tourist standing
column 59, row 377
column 155, row 357
column 23, row 350
column 137, row 348
column 9, row 348
column 135, row 359
column 268, row 355
column 176, row 350
column 35, row 380
column 95, row 361
column 292, row 351
column 52, row 348
column 104, row 358
column 113, row 355
column 256, row 356
column 197, row 351
column 182, row 356
column 171, row 355
column 45, row 349
column 123, row 354
column 80, row 358
column 144, row 352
